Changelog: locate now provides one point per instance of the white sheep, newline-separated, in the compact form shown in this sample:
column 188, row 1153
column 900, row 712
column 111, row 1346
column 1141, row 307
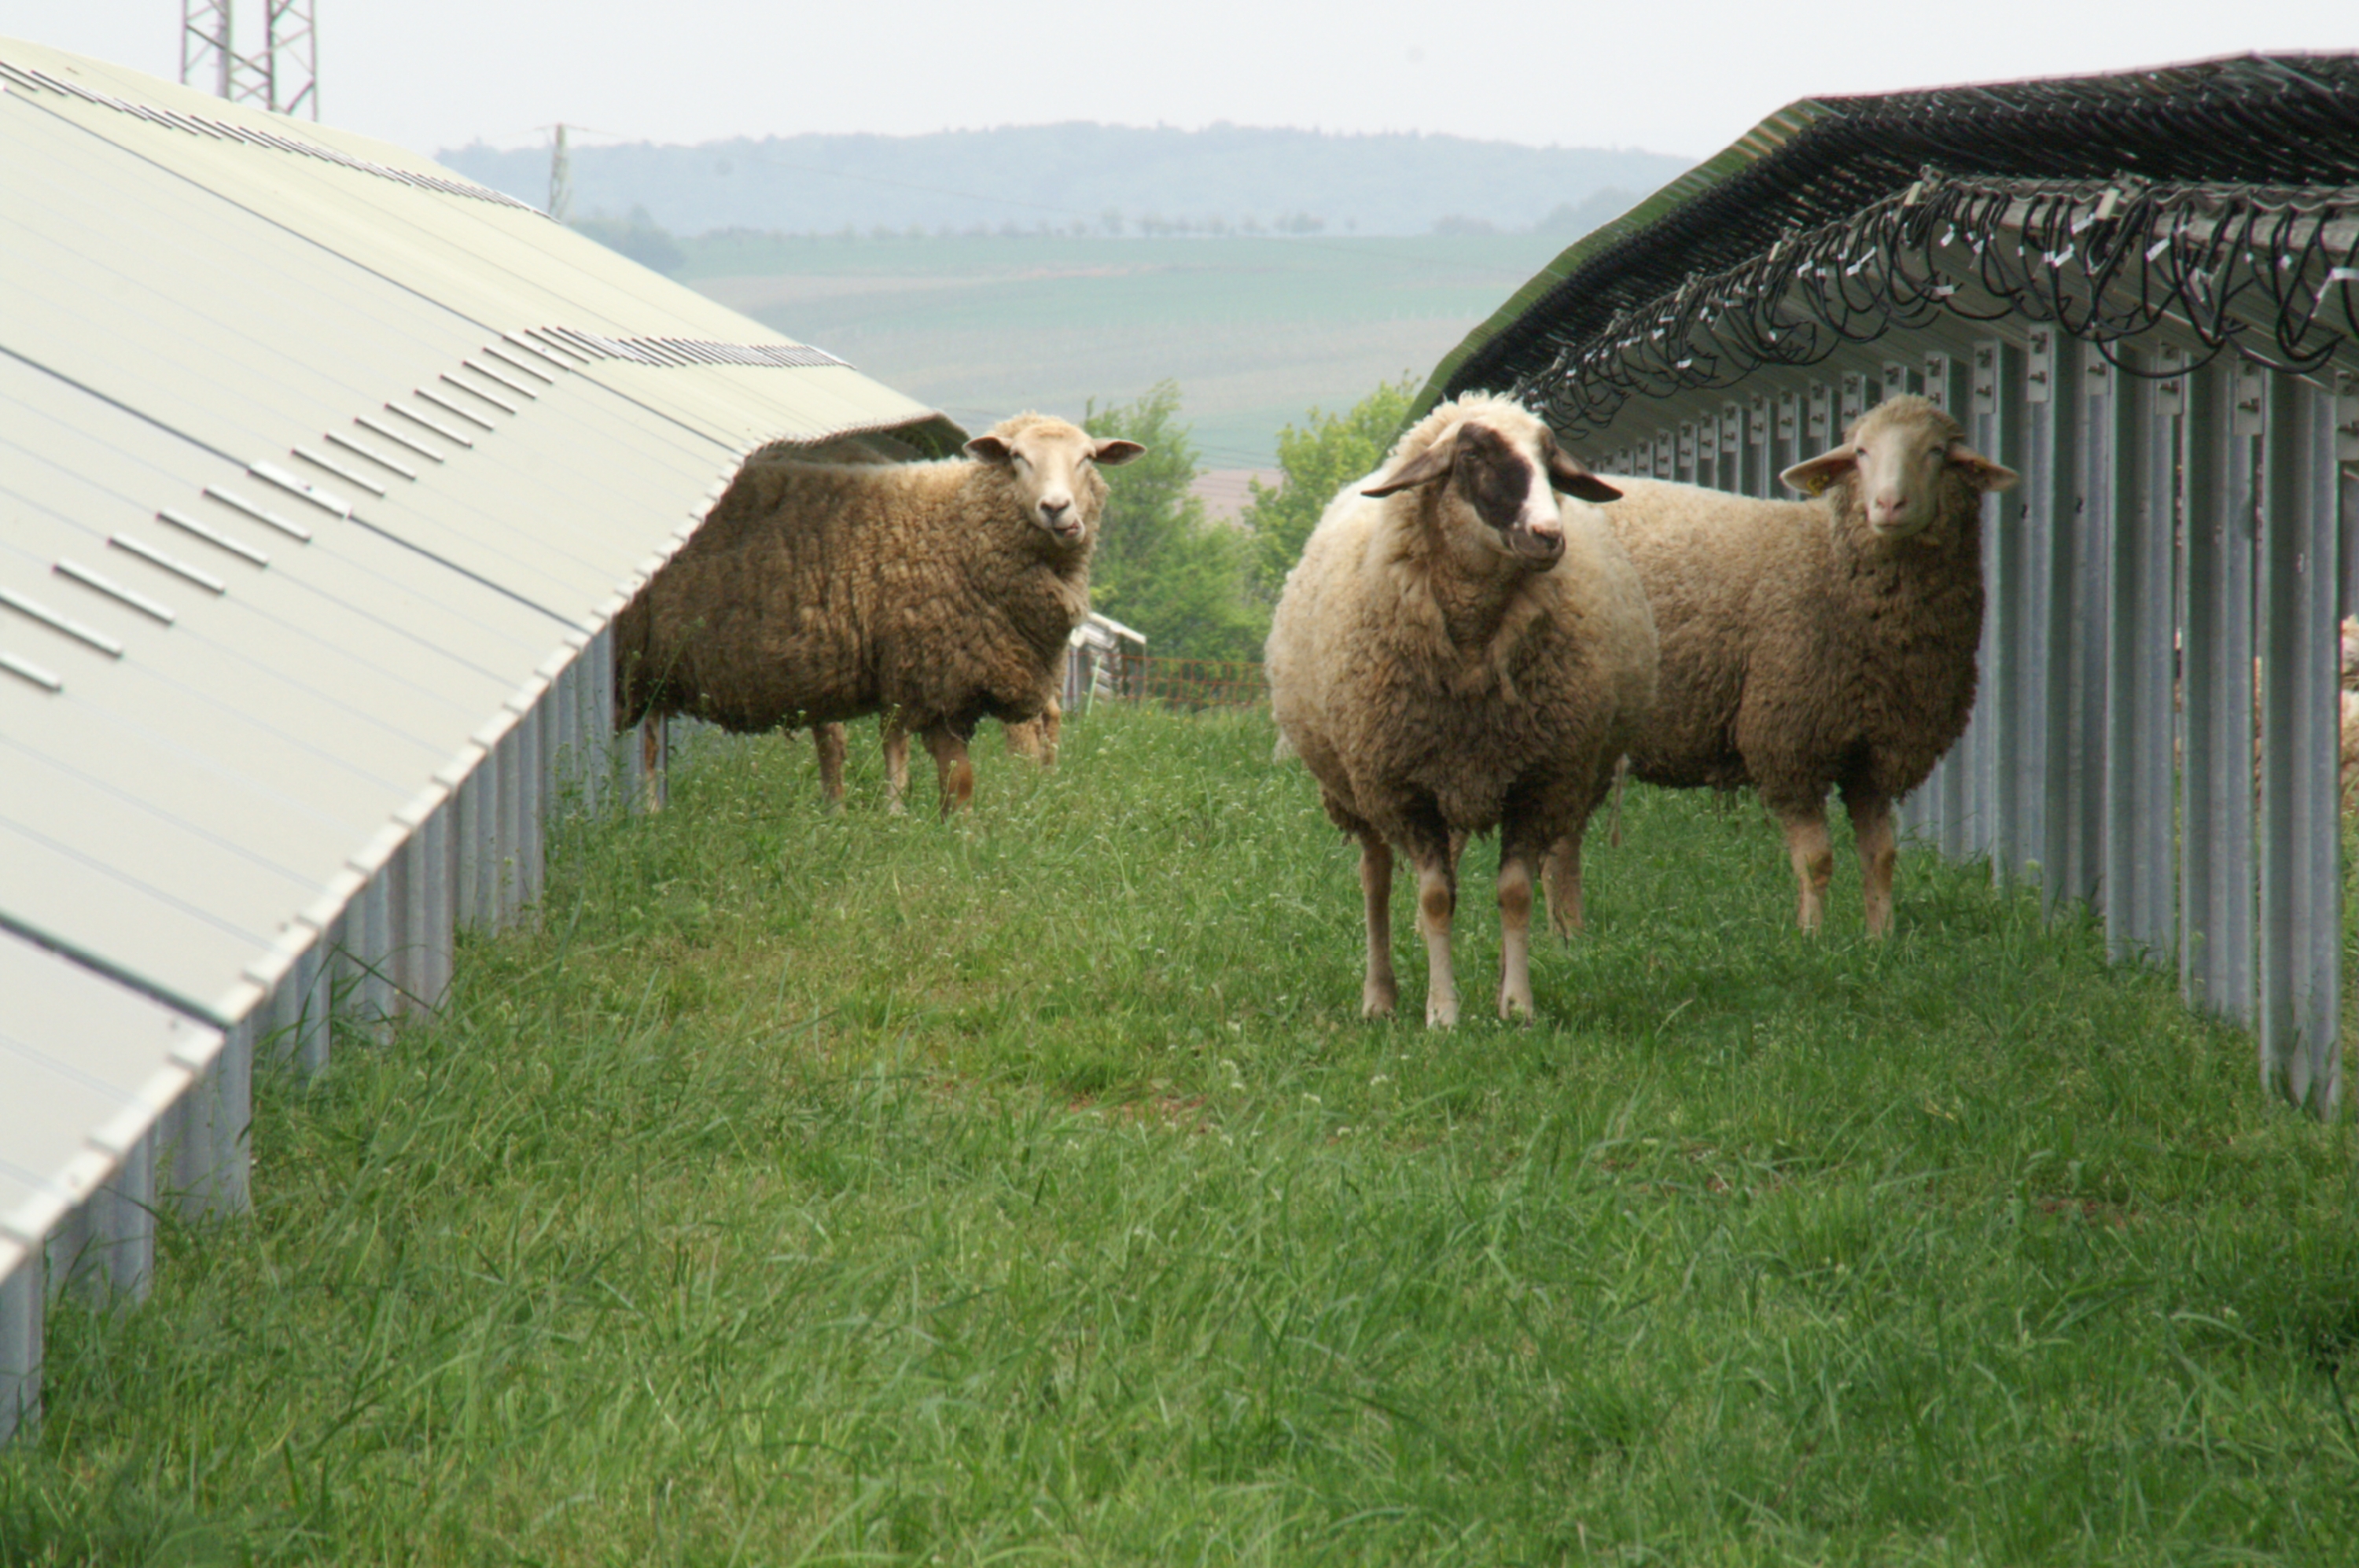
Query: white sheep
column 1456, row 652
column 1819, row 644
column 935, row 593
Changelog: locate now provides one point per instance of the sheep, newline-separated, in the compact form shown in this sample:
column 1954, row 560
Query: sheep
column 1454, row 652
column 1820, row 644
column 935, row 593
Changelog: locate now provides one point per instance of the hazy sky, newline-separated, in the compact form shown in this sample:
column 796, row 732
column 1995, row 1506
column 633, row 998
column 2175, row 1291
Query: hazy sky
column 1676, row 76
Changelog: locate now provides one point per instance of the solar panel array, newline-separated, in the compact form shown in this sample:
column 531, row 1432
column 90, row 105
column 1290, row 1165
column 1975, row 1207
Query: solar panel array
column 322, row 473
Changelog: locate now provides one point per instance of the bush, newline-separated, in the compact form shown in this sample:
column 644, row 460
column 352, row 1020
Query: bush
column 638, row 236
column 1162, row 567
column 1327, row 453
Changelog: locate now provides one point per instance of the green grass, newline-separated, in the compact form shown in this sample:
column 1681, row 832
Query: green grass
column 1025, row 1189
column 1255, row 331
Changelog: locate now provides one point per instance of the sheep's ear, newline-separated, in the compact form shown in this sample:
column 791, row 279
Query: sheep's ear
column 1812, row 475
column 1114, row 454
column 1431, row 463
column 1569, row 478
column 1985, row 474
column 988, row 448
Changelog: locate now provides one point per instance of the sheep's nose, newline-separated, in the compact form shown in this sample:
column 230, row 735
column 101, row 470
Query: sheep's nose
column 1051, row 511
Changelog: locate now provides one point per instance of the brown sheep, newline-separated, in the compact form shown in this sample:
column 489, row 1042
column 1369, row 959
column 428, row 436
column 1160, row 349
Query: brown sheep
column 1820, row 645
column 935, row 593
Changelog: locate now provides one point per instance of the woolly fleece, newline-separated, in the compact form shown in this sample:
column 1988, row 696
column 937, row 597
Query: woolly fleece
column 823, row 591
column 1438, row 688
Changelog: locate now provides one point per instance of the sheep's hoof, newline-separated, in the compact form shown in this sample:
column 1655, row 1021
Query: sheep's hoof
column 1377, row 1002
column 1443, row 1013
column 1516, row 1009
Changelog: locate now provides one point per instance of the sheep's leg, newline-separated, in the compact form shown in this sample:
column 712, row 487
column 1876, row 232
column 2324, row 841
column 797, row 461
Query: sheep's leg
column 897, row 764
column 654, row 759
column 1879, row 855
column 828, row 741
column 1814, row 863
column 1514, row 928
column 1052, row 733
column 1379, row 992
column 956, row 772
column 1036, row 738
column 1564, row 883
column 1437, row 900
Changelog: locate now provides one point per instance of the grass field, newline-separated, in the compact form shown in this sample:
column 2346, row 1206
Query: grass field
column 1255, row 331
column 1026, row 1189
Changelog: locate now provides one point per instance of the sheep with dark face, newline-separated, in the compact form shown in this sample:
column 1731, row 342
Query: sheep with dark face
column 1456, row 652
column 936, row 592
column 1818, row 645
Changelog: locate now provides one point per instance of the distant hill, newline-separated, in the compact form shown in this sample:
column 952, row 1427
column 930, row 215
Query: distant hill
column 1107, row 178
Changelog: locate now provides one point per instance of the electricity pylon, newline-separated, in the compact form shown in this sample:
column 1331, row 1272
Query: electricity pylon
column 282, row 76
column 560, row 178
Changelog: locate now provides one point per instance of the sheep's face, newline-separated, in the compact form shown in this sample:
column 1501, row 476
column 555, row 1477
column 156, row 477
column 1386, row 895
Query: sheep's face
column 1507, row 469
column 1901, row 457
column 1053, row 468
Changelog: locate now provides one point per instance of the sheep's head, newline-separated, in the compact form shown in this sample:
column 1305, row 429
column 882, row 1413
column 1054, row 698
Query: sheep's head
column 1901, row 456
column 1507, row 469
column 1053, row 467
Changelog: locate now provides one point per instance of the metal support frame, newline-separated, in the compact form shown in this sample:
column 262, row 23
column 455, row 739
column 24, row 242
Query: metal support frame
column 23, row 1303
column 2140, row 861
column 2216, row 698
column 2079, row 495
column 2016, row 588
column 104, row 1252
column 207, row 1135
column 2299, row 828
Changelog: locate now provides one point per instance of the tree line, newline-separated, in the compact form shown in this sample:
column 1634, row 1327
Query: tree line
column 1391, row 183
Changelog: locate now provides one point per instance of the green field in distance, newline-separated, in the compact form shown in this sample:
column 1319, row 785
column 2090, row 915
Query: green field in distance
column 1255, row 330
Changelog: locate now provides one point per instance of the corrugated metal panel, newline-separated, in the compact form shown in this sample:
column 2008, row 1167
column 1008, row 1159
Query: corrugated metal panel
column 85, row 1069
column 318, row 466
column 169, row 810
